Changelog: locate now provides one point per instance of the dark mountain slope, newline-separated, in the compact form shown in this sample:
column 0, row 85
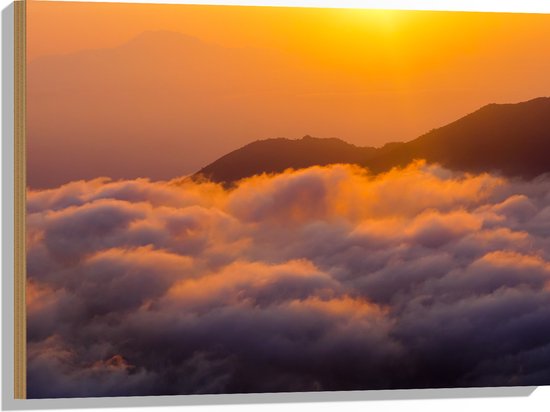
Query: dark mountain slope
column 511, row 139
column 276, row 155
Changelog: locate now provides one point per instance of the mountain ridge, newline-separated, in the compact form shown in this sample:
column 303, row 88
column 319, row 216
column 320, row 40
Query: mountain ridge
column 512, row 139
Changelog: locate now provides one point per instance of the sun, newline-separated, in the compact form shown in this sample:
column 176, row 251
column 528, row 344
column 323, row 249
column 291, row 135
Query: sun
column 386, row 21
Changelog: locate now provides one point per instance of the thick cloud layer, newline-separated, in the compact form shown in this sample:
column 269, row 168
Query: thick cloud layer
column 319, row 279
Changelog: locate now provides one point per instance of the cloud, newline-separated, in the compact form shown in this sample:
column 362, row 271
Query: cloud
column 326, row 278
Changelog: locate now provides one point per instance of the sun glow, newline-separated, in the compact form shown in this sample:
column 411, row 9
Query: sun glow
column 384, row 20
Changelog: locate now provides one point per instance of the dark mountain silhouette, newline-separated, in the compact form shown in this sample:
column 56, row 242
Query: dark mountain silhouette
column 509, row 139
column 513, row 139
column 276, row 155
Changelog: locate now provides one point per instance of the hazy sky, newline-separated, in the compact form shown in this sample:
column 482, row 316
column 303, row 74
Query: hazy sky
column 130, row 90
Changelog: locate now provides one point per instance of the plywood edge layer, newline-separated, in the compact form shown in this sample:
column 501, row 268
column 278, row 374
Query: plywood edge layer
column 20, row 335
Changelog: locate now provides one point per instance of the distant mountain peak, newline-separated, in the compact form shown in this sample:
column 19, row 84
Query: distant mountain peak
column 163, row 36
column 163, row 40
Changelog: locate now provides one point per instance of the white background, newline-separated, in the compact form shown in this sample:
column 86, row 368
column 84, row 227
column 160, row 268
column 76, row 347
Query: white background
column 539, row 400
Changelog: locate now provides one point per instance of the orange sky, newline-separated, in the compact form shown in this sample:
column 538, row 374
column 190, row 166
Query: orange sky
column 367, row 77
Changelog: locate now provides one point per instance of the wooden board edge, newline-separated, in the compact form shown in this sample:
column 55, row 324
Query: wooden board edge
column 20, row 324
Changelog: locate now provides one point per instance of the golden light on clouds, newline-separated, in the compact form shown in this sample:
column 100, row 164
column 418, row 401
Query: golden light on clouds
column 217, row 282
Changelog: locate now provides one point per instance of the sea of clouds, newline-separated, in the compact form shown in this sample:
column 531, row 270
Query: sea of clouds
column 326, row 278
